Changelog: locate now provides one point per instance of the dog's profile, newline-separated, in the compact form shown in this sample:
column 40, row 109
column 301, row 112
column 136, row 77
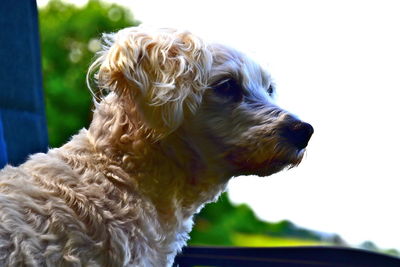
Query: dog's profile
column 175, row 118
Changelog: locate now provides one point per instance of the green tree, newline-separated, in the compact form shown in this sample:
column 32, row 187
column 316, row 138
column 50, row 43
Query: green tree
column 69, row 39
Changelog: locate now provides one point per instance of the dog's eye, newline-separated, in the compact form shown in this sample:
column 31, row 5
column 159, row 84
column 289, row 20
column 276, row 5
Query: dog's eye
column 230, row 89
column 271, row 90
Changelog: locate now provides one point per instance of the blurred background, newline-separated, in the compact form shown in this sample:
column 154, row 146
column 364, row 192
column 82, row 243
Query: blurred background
column 335, row 64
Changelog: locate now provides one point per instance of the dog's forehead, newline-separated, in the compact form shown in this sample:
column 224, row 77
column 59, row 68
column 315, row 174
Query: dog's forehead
column 230, row 63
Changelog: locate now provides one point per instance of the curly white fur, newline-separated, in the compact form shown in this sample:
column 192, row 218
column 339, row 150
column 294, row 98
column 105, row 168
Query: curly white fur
column 177, row 118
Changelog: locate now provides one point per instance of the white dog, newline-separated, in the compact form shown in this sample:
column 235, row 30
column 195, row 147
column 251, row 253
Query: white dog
column 175, row 120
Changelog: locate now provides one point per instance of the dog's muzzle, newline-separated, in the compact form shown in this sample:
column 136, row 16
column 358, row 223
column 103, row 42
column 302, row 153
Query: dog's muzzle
column 297, row 133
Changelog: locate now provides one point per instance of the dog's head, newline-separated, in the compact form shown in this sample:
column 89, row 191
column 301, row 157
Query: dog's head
column 214, row 98
column 239, row 111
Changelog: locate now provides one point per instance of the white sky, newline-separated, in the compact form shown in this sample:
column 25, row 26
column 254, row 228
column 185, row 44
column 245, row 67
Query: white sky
column 336, row 65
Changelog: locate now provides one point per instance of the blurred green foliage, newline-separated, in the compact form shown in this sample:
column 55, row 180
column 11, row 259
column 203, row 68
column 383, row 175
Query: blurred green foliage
column 222, row 223
column 69, row 39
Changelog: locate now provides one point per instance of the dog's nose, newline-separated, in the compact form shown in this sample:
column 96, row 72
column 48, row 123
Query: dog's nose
column 298, row 133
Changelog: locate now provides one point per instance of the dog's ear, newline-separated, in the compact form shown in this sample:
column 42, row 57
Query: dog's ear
column 163, row 72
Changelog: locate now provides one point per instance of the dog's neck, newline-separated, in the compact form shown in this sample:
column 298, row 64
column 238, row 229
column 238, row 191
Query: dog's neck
column 171, row 172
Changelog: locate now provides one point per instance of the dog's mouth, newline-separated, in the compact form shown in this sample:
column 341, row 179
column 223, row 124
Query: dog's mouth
column 264, row 158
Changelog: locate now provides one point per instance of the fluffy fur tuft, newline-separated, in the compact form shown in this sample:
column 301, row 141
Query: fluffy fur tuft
column 149, row 66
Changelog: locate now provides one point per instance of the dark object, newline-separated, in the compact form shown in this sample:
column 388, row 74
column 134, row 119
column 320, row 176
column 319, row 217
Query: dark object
column 3, row 147
column 289, row 256
column 21, row 97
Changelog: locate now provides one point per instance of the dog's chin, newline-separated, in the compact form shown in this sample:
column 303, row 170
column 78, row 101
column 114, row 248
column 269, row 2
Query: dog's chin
column 266, row 168
column 269, row 166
